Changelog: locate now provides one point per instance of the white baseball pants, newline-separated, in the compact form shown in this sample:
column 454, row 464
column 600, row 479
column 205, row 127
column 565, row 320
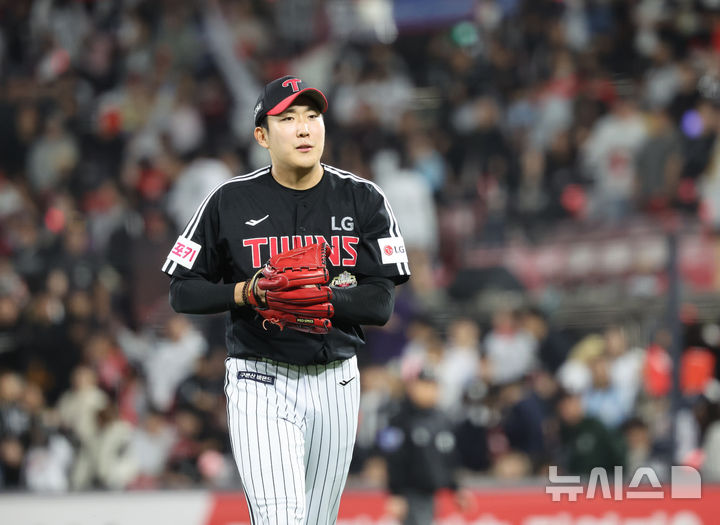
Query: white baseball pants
column 292, row 430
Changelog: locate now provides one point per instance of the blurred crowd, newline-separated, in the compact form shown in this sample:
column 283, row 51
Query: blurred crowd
column 502, row 119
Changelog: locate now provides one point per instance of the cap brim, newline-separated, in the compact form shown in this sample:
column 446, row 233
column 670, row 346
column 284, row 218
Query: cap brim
column 313, row 93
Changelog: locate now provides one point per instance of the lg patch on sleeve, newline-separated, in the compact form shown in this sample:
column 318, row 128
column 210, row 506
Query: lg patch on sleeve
column 392, row 250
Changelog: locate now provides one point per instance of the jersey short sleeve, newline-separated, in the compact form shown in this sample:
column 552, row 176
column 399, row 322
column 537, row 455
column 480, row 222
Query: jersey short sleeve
column 196, row 250
column 382, row 251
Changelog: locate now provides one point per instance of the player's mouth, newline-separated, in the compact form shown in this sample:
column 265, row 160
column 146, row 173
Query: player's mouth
column 304, row 148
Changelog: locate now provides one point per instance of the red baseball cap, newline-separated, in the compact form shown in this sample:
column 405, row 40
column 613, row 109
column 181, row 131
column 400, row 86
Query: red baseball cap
column 277, row 96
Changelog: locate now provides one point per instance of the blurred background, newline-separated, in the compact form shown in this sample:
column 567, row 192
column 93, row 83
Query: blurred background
column 554, row 166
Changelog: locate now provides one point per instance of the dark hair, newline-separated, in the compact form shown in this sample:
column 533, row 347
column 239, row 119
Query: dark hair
column 562, row 395
column 634, row 423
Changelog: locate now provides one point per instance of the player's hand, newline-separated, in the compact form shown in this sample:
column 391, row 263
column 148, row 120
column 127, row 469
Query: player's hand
column 258, row 292
column 290, row 290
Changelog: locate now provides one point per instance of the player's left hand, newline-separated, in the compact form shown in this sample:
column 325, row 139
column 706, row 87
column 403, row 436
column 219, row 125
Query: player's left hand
column 290, row 290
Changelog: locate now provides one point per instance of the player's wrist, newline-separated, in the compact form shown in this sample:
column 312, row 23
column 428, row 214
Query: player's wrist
column 247, row 293
column 239, row 293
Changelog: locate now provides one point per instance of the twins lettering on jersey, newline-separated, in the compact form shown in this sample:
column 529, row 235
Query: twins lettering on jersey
column 342, row 247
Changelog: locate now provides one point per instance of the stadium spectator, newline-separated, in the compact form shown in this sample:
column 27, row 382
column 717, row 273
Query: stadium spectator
column 421, row 452
column 150, row 445
column 586, row 442
column 553, row 345
column 522, row 418
column 460, row 364
column 106, row 460
column 415, row 208
column 641, row 451
column 510, row 351
column 78, row 408
column 472, row 430
column 604, row 400
column 166, row 362
column 610, row 156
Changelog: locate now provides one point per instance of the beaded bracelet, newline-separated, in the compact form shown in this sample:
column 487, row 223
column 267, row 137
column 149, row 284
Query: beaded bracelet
column 251, row 284
column 245, row 293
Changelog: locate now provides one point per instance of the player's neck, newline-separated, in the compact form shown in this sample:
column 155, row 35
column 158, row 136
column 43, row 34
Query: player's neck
column 297, row 179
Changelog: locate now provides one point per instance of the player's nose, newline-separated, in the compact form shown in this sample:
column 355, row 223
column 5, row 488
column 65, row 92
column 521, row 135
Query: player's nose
column 303, row 130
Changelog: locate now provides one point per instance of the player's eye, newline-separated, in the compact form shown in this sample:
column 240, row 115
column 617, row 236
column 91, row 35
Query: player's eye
column 285, row 119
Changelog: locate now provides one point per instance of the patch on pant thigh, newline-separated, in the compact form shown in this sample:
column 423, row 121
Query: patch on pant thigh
column 256, row 376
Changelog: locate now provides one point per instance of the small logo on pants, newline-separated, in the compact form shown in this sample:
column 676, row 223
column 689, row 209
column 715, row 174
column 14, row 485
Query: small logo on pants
column 256, row 376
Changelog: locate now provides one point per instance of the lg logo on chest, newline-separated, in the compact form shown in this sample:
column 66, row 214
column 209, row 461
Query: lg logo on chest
column 346, row 224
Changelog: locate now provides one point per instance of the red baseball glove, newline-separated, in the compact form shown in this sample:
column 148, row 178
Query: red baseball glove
column 295, row 292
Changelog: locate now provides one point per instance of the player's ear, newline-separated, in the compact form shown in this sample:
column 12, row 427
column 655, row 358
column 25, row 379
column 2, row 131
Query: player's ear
column 261, row 136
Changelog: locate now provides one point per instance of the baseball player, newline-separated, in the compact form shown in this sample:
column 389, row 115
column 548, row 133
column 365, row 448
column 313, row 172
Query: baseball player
column 292, row 388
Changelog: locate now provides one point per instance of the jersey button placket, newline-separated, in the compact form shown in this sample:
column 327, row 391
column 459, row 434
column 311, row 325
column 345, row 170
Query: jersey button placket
column 301, row 216
column 299, row 219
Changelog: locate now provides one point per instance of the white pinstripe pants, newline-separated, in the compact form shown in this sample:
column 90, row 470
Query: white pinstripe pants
column 292, row 430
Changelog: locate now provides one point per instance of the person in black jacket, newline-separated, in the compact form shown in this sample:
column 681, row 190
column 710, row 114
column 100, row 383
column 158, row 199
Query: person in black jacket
column 420, row 448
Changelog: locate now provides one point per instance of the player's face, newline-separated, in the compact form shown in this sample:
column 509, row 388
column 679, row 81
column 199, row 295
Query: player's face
column 295, row 138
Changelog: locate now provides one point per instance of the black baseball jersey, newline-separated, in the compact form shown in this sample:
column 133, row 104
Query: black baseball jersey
column 245, row 220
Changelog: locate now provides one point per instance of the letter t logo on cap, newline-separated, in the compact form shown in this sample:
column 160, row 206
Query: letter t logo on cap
column 294, row 82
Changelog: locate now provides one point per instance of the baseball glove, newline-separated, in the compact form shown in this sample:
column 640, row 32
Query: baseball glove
column 295, row 292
